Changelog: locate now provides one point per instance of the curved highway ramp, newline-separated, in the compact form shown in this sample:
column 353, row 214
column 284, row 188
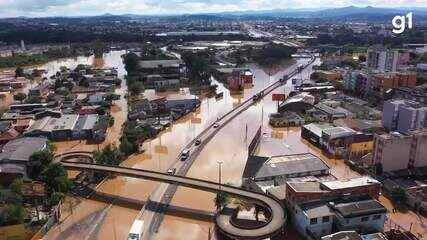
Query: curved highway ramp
column 224, row 221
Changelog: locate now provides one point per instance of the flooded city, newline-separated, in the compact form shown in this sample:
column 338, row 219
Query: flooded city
column 88, row 219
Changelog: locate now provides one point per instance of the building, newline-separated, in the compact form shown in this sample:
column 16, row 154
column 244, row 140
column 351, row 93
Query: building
column 328, row 75
column 417, row 94
column 335, row 140
column 380, row 84
column 278, row 169
column 162, row 73
column 396, row 151
column 68, row 126
column 317, row 219
column 235, row 78
column 15, row 156
column 382, row 59
column 313, row 220
column 363, row 216
column 313, row 132
column 353, row 235
column 7, row 132
column 286, row 119
column 301, row 192
column 344, row 235
column 329, row 111
column 404, row 115
column 359, row 145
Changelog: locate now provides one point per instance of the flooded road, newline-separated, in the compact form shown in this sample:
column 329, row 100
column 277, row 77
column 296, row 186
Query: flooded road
column 94, row 220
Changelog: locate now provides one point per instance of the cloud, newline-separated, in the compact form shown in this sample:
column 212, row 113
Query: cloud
column 148, row 7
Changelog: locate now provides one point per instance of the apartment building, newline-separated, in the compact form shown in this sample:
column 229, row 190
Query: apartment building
column 396, row 151
column 404, row 115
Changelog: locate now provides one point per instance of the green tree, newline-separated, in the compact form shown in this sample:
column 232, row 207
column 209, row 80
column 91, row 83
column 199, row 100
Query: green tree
column 135, row 88
column 126, row 147
column 55, row 198
column 110, row 155
column 55, row 177
column 12, row 214
column 399, row 195
column 20, row 97
column 39, row 161
column 16, row 186
column 131, row 63
column 19, row 72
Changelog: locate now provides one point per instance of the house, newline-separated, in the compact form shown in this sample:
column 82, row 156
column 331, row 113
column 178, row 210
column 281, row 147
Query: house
column 313, row 132
column 69, row 126
column 15, row 156
column 162, row 73
column 285, row 119
column 40, row 91
column 53, row 128
column 8, row 135
column 306, row 191
column 96, row 99
column 314, row 219
column 335, row 140
column 363, row 216
column 317, row 219
column 343, row 235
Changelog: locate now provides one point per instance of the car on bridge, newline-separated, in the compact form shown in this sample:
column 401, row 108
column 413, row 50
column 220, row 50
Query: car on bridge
column 185, row 154
column 136, row 230
column 171, row 171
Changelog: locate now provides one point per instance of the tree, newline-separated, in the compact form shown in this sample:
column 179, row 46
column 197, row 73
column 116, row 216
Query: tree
column 135, row 88
column 19, row 72
column 126, row 147
column 56, row 178
column 131, row 63
column 55, row 198
column 110, row 155
column 16, row 186
column 12, row 214
column 20, row 97
column 39, row 161
column 98, row 48
column 399, row 195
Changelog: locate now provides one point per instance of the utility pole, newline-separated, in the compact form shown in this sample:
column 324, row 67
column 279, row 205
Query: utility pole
column 219, row 182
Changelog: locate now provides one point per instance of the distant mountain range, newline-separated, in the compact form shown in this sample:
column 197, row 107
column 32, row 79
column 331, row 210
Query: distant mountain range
column 350, row 12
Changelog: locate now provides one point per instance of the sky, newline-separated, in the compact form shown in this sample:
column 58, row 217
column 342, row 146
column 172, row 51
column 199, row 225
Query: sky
column 41, row 8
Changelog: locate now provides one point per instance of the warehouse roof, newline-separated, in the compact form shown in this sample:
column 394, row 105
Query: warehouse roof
column 287, row 165
column 22, row 148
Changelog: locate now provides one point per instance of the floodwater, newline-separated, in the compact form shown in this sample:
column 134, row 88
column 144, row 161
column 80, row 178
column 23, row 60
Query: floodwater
column 94, row 220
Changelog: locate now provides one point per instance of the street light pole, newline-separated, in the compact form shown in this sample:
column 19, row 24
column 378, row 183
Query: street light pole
column 219, row 182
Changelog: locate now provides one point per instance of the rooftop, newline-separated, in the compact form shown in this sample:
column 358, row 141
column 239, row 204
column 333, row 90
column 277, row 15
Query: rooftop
column 306, row 186
column 316, row 209
column 159, row 63
column 359, row 208
column 344, row 235
column 350, row 183
column 22, row 148
column 291, row 165
column 337, row 132
column 317, row 128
